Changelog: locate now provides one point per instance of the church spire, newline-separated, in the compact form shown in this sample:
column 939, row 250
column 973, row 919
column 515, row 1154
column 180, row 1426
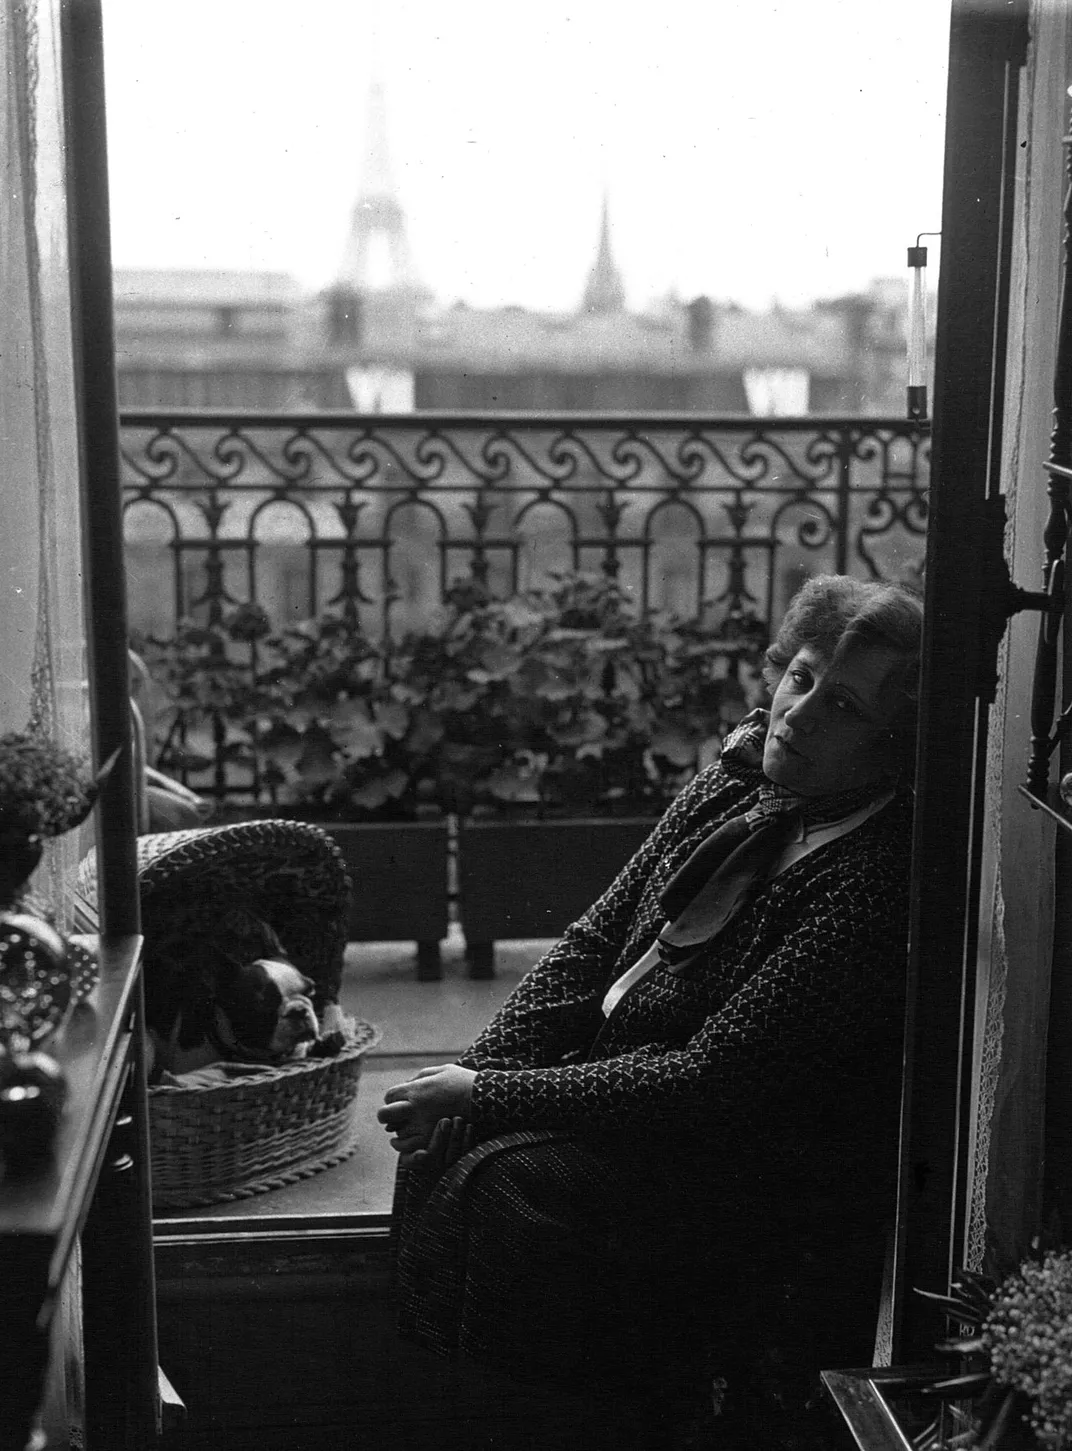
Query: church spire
column 377, row 256
column 604, row 291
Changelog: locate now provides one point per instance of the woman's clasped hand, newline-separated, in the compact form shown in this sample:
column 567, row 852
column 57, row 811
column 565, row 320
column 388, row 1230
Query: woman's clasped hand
column 426, row 1115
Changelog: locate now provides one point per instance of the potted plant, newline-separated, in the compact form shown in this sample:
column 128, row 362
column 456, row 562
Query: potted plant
column 1012, row 1389
column 45, row 791
column 318, row 722
column 1004, row 1381
column 600, row 716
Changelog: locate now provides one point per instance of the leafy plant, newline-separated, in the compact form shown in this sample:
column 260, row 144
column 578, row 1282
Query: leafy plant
column 462, row 668
column 1028, row 1336
column 710, row 679
column 594, row 706
column 343, row 728
column 582, row 699
column 316, row 715
column 563, row 699
column 1014, row 1352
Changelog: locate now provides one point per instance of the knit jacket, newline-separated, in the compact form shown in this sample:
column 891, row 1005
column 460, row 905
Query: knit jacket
column 779, row 1048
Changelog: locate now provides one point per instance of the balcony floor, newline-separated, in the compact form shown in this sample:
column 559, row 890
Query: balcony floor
column 421, row 1023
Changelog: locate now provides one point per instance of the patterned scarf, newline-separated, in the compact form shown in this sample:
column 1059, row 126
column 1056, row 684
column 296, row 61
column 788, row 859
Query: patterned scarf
column 712, row 886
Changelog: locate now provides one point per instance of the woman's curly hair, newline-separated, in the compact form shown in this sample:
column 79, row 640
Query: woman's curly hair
column 835, row 614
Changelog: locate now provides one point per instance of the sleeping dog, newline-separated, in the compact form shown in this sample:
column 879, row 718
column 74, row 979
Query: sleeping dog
column 244, row 1012
column 264, row 1012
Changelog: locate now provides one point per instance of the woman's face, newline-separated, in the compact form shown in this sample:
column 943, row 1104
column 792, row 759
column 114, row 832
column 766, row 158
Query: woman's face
column 830, row 725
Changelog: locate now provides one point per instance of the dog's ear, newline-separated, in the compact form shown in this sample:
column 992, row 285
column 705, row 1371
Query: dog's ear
column 290, row 977
column 240, row 977
column 240, row 986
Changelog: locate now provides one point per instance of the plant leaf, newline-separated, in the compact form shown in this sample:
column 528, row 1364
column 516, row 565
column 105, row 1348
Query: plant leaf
column 380, row 789
column 960, row 1309
column 928, row 1438
column 392, row 717
column 343, row 709
column 425, row 731
column 317, row 764
column 998, row 1426
column 512, row 784
column 520, row 615
column 674, row 746
column 372, row 794
column 564, row 635
column 970, row 1277
column 975, row 1346
column 554, row 686
column 450, row 695
column 286, row 752
column 496, row 663
column 958, row 1385
column 586, row 727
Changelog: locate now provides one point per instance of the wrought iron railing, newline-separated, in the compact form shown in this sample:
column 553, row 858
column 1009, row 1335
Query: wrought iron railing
column 376, row 515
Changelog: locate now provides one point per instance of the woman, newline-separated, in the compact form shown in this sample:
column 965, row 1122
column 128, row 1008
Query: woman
column 682, row 1124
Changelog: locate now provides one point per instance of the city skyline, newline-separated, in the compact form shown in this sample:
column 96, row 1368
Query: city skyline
column 735, row 167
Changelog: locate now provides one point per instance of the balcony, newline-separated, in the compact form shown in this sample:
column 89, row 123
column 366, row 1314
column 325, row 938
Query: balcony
column 716, row 520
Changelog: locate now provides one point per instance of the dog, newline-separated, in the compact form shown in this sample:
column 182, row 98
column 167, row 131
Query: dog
column 245, row 1012
column 264, row 1012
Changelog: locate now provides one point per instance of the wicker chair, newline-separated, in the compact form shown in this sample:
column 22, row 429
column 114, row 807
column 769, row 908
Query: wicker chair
column 264, row 1127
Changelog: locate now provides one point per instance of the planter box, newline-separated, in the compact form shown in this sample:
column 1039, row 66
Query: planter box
column 533, row 878
column 399, row 875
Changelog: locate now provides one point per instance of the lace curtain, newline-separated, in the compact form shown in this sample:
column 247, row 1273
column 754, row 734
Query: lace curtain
column 42, row 630
column 1016, row 907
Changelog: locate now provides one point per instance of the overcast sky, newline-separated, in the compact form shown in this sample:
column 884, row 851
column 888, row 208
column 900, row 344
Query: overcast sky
column 751, row 149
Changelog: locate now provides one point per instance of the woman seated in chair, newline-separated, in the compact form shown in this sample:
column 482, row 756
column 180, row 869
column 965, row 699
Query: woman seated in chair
column 674, row 1147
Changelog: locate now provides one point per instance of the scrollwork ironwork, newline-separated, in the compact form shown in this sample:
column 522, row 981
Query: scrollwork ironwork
column 497, row 493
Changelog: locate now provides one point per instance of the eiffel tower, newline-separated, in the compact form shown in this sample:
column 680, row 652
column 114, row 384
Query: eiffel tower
column 376, row 257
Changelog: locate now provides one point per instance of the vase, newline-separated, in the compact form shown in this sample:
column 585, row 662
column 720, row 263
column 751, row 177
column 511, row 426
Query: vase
column 35, row 993
column 35, row 984
column 33, row 1092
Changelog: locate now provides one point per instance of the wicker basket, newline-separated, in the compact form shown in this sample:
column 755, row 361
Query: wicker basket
column 260, row 1132
column 268, row 1126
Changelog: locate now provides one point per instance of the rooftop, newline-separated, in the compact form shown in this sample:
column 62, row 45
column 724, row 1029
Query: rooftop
column 221, row 317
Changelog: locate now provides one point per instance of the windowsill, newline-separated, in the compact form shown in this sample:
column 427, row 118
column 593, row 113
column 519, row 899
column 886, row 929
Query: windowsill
column 420, row 1023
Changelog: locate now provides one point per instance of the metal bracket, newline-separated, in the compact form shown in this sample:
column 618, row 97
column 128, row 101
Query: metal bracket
column 1001, row 598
